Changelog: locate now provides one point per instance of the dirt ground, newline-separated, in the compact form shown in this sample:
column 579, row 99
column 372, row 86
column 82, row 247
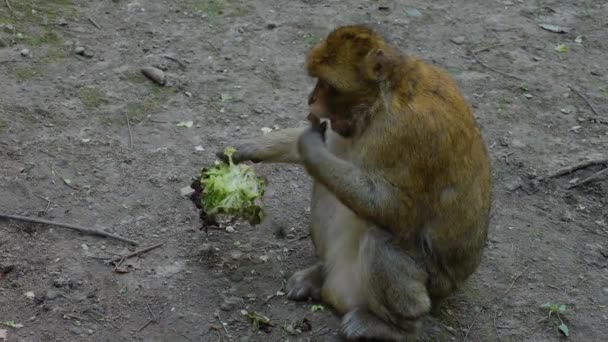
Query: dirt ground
column 86, row 139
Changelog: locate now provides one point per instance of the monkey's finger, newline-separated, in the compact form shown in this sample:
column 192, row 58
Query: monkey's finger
column 238, row 157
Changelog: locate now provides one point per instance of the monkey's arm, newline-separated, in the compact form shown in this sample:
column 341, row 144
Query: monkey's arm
column 276, row 147
column 369, row 196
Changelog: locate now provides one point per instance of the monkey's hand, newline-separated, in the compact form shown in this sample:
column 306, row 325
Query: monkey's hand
column 312, row 141
column 245, row 151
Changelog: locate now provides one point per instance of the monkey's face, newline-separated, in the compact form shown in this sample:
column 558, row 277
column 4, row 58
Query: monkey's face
column 326, row 102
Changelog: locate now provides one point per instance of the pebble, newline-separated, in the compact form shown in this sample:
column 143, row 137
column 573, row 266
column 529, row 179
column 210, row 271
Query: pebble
column 8, row 28
column 236, row 255
column 413, row 12
column 231, row 303
column 51, row 295
column 528, row 96
column 186, row 191
column 154, row 74
column 79, row 50
column 568, row 109
column 25, row 53
column 205, row 249
column 230, row 229
column 88, row 54
column 458, row 40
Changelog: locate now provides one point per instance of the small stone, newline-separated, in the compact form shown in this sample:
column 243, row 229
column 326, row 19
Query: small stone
column 187, row 93
column 186, row 191
column 413, row 12
column 154, row 74
column 79, row 50
column 568, row 109
column 25, row 52
column 236, row 255
column 51, row 295
column 62, row 22
column 458, row 40
column 528, row 96
column 230, row 229
column 231, row 303
column 84, row 247
column 9, row 28
column 205, row 249
column 88, row 54
column 75, row 330
column 61, row 282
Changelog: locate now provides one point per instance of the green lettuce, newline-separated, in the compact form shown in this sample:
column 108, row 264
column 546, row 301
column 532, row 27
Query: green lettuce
column 232, row 189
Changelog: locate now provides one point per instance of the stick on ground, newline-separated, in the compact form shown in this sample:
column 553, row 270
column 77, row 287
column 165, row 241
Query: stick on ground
column 495, row 70
column 8, row 5
column 94, row 23
column 581, row 165
column 586, row 100
column 136, row 253
column 590, row 179
column 130, row 132
column 84, row 230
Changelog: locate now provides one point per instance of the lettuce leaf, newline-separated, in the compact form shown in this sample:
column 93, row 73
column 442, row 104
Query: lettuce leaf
column 232, row 189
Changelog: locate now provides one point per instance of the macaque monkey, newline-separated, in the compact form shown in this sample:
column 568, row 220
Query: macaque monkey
column 402, row 184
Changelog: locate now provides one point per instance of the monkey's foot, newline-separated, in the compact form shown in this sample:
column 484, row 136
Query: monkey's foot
column 361, row 324
column 306, row 283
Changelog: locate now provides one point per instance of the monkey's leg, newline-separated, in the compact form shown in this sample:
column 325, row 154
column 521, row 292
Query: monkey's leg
column 396, row 289
column 306, row 283
column 275, row 147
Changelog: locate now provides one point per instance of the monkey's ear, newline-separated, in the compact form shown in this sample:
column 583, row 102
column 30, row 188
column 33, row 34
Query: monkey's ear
column 378, row 64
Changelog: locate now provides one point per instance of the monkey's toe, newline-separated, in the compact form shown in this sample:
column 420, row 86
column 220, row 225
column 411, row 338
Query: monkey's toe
column 359, row 324
column 305, row 284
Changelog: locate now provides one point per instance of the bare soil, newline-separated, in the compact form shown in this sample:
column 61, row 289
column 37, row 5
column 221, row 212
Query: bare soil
column 86, row 139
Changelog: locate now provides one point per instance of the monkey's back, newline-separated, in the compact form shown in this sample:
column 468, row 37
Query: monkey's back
column 429, row 145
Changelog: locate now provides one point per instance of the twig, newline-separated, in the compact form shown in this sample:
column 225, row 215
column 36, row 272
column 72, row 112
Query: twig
column 94, row 23
column 496, row 328
column 586, row 100
column 471, row 326
column 180, row 63
column 8, row 5
column 150, row 309
column 145, row 325
column 151, row 320
column 130, row 132
column 578, row 166
column 136, row 253
column 275, row 293
column 488, row 48
column 495, row 70
column 590, row 179
column 515, row 279
column 119, row 263
column 217, row 315
column 48, row 202
column 83, row 230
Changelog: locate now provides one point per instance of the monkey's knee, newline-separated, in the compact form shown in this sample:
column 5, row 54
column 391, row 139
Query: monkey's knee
column 396, row 284
column 306, row 283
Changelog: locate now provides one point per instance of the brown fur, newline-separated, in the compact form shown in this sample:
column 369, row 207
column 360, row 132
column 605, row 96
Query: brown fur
column 402, row 192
